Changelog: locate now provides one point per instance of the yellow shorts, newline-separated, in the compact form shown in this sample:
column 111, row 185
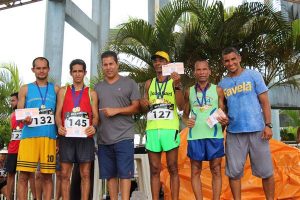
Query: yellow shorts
column 37, row 150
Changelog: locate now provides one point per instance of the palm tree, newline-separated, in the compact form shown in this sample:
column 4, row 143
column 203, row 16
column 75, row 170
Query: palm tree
column 265, row 40
column 9, row 83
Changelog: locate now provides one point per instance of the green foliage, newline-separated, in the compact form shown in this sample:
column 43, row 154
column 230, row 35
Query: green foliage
column 5, row 132
column 9, row 83
column 267, row 42
column 288, row 134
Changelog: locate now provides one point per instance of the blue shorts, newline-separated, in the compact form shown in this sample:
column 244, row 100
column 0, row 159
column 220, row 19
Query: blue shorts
column 205, row 149
column 116, row 160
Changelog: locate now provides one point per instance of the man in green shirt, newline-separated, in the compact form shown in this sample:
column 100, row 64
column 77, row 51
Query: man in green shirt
column 162, row 97
column 204, row 143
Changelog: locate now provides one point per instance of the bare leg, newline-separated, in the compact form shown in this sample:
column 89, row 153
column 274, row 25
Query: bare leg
column 4, row 191
column 32, row 184
column 23, row 185
column 38, row 185
column 269, row 187
column 66, row 169
column 125, row 188
column 85, row 169
column 10, row 184
column 47, row 186
column 58, row 185
column 235, row 186
column 155, row 168
column 113, row 188
column 215, row 169
column 196, row 167
column 172, row 158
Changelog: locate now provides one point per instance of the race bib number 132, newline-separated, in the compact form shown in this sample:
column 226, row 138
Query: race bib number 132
column 46, row 117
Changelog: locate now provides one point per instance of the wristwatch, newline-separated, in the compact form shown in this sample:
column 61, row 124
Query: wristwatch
column 270, row 125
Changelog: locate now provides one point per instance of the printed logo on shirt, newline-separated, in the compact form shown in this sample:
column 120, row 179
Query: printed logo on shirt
column 158, row 93
column 243, row 87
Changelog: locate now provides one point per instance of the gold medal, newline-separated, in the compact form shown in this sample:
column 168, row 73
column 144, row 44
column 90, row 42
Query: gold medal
column 76, row 109
column 202, row 108
column 158, row 101
column 43, row 106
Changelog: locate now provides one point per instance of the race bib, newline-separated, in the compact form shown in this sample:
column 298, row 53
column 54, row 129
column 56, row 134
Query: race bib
column 161, row 111
column 76, row 123
column 45, row 117
column 16, row 134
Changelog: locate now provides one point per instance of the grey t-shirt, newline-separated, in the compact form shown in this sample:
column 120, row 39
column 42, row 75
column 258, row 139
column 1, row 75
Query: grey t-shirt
column 119, row 94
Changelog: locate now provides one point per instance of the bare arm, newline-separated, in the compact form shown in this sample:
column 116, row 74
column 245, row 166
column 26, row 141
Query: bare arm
column 144, row 102
column 22, row 97
column 178, row 93
column 221, row 98
column 56, row 88
column 91, row 130
column 59, row 105
column 221, row 103
column 95, row 108
column 186, row 110
column 266, row 108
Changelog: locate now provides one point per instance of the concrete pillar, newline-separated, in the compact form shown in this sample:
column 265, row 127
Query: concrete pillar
column 151, row 12
column 54, row 37
column 101, row 16
column 162, row 3
column 276, row 124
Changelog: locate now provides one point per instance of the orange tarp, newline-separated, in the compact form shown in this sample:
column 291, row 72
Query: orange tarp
column 286, row 161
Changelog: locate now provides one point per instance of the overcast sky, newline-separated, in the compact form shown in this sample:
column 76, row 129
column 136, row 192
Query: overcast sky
column 22, row 33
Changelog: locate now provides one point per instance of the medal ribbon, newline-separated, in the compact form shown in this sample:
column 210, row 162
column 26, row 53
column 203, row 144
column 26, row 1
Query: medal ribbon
column 76, row 98
column 160, row 90
column 203, row 99
column 43, row 98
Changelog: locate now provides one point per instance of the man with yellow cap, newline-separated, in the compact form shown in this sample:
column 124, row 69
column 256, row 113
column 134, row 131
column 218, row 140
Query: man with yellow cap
column 163, row 96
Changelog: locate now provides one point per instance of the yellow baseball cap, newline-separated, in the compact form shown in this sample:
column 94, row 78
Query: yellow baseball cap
column 161, row 54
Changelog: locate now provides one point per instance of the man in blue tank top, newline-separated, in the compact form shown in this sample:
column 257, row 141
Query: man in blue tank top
column 38, row 141
column 249, row 129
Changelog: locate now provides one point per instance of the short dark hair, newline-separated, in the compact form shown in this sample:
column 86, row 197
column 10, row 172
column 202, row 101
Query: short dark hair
column 77, row 62
column 201, row 60
column 15, row 94
column 109, row 54
column 40, row 58
column 229, row 50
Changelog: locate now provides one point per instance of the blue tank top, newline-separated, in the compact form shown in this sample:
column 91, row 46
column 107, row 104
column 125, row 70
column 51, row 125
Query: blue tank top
column 34, row 100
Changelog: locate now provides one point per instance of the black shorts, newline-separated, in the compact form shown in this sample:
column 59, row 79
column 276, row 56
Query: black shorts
column 11, row 162
column 76, row 150
column 2, row 184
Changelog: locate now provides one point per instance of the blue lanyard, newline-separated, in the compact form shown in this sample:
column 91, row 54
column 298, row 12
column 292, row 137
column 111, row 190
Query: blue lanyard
column 43, row 98
column 203, row 99
column 160, row 90
column 76, row 98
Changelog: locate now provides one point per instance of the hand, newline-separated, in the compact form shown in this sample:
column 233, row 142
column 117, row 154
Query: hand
column 144, row 103
column 62, row 131
column 223, row 120
column 176, row 78
column 190, row 123
column 57, row 149
column 110, row 112
column 90, row 130
column 267, row 134
column 27, row 120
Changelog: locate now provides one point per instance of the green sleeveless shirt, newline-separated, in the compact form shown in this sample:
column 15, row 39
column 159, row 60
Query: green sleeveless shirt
column 162, row 109
column 201, row 130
